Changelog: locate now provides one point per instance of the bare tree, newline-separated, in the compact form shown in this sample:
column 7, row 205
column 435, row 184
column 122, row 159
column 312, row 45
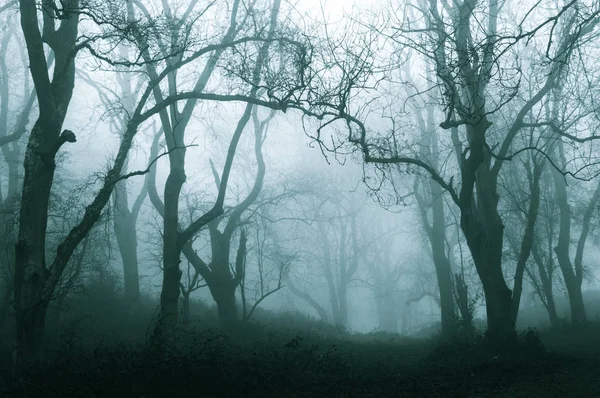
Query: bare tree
column 174, row 123
column 53, row 95
column 477, row 77
column 336, row 230
column 34, row 280
column 221, row 281
column 572, row 270
column 543, row 251
column 267, row 262
column 219, row 276
column 124, row 219
column 383, row 276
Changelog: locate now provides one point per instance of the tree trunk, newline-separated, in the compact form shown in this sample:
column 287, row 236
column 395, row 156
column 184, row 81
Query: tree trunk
column 462, row 299
column 551, row 306
column 484, row 231
column 391, row 317
column 573, row 277
column 226, row 307
column 31, row 327
column 578, row 313
column 169, row 298
column 498, row 299
column 386, row 312
column 327, row 265
column 437, row 240
column 5, row 304
column 406, row 320
column 486, row 249
column 126, row 236
column 436, row 230
column 53, row 97
column 222, row 283
column 524, row 251
column 547, row 289
column 444, row 278
column 343, row 303
column 333, row 297
column 380, row 309
column 30, row 250
column 7, row 258
column 185, row 298
column 335, row 309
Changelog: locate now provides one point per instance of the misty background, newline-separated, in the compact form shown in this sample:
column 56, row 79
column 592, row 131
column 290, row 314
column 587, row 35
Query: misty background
column 424, row 169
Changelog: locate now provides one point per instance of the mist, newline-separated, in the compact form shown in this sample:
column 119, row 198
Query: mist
column 316, row 198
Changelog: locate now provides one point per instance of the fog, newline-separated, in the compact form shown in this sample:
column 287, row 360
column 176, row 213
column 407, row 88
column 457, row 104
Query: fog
column 351, row 195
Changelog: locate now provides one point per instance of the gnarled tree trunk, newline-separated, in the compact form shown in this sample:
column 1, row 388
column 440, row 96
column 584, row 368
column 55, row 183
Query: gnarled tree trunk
column 54, row 96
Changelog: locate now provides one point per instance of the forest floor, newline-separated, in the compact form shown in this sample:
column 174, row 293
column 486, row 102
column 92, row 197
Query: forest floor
column 275, row 362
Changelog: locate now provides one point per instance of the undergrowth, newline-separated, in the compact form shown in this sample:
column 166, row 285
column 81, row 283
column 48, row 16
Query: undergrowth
column 291, row 355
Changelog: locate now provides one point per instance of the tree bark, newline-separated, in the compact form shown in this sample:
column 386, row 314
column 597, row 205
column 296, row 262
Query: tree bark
column 169, row 297
column 578, row 312
column 185, row 298
column 436, row 233
column 436, row 230
column 327, row 265
column 124, row 222
column 54, row 96
column 544, row 286
column 174, row 125
column 224, row 296
column 528, row 237
column 7, row 256
column 484, row 232
column 6, row 302
column 572, row 272
column 462, row 300
column 222, row 283
column 486, row 251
